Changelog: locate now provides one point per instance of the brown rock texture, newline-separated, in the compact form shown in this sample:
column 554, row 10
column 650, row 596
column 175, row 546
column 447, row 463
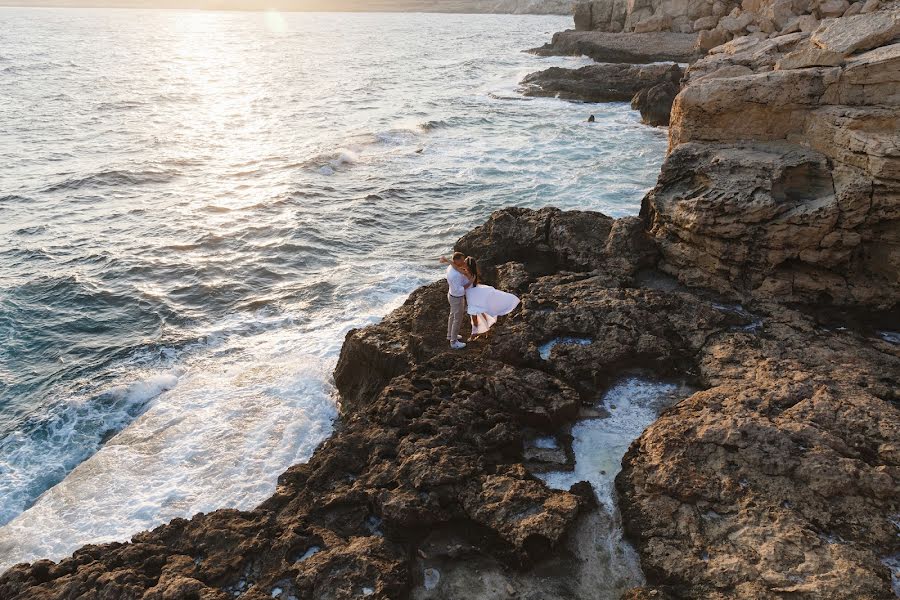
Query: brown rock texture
column 780, row 479
column 655, row 103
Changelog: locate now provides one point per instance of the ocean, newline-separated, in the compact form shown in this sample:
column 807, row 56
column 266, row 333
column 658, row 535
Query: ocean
column 195, row 207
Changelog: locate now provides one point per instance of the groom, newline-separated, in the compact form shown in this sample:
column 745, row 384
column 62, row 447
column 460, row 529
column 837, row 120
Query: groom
column 456, row 296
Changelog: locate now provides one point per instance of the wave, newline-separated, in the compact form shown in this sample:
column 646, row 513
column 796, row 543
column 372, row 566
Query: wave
column 38, row 452
column 119, row 105
column 335, row 161
column 13, row 198
column 114, row 178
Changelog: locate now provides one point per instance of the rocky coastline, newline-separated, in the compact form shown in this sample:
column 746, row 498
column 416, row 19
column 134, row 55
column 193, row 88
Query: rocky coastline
column 764, row 268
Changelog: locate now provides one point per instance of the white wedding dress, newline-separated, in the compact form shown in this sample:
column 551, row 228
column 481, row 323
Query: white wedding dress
column 487, row 303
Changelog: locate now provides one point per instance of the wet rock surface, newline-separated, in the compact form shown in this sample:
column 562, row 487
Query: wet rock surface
column 602, row 82
column 781, row 477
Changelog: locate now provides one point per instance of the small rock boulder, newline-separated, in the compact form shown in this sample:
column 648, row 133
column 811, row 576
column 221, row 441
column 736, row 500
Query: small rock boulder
column 704, row 23
column 655, row 103
column 707, row 40
column 660, row 22
column 833, row 8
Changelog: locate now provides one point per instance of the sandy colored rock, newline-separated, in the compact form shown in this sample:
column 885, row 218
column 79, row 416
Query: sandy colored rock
column 858, row 33
column 654, row 23
column 833, row 8
column 807, row 23
column 705, row 23
column 707, row 40
column 870, row 6
column 635, row 48
column 854, row 9
column 746, row 219
column 809, row 57
column 737, row 23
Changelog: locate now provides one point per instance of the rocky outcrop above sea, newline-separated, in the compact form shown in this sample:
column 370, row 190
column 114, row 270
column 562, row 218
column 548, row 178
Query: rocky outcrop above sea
column 783, row 178
column 781, row 476
column 644, row 76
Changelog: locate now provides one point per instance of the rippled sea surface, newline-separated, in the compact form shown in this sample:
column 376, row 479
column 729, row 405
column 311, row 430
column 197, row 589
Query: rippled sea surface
column 196, row 206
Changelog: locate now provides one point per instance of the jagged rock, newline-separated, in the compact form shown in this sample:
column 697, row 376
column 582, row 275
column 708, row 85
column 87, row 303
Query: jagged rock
column 807, row 23
column 655, row 103
column 858, row 33
column 766, row 25
column 736, row 24
column 636, row 48
column 870, row 6
column 550, row 240
column 764, row 486
column 599, row 83
column 425, row 471
column 854, row 9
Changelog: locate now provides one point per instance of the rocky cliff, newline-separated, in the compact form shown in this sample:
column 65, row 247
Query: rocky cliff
column 779, row 479
column 783, row 179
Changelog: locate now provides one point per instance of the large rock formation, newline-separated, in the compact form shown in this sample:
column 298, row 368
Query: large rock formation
column 601, row 83
column 783, row 179
column 781, row 477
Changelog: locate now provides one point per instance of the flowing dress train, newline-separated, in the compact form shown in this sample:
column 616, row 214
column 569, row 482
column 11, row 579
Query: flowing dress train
column 487, row 303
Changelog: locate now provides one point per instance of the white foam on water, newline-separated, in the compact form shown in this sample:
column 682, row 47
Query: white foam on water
column 70, row 431
column 599, row 445
column 545, row 349
column 258, row 400
column 892, row 337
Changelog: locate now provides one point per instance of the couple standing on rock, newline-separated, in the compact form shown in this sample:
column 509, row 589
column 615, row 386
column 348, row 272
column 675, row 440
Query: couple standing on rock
column 466, row 294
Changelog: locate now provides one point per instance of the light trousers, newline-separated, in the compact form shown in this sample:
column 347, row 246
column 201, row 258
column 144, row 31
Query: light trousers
column 457, row 315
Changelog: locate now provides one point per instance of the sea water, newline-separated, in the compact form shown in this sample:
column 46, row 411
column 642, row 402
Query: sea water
column 195, row 207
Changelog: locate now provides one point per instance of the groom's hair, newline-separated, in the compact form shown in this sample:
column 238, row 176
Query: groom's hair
column 458, row 256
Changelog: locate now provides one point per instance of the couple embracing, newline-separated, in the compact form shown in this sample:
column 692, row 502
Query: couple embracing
column 466, row 294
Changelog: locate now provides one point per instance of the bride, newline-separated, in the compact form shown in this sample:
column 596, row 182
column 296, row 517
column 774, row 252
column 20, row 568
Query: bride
column 484, row 303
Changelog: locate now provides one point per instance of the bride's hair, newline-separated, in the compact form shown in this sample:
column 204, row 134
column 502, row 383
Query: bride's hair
column 472, row 265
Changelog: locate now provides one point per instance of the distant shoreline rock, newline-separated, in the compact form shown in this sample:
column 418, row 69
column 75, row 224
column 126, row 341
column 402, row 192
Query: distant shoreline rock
column 601, row 82
column 629, row 48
